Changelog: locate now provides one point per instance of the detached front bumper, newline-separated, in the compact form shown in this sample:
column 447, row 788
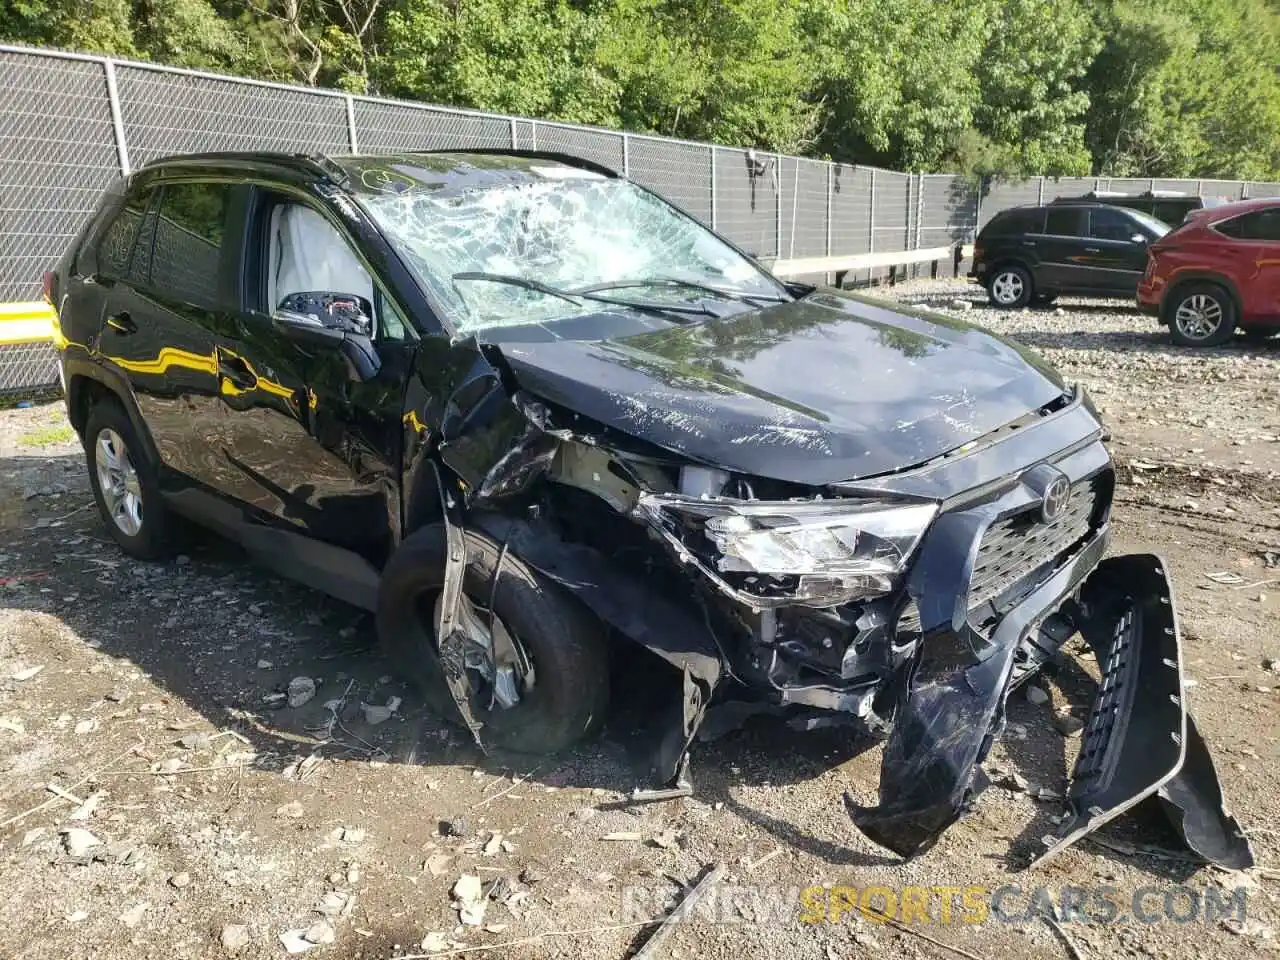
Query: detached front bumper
column 1139, row 741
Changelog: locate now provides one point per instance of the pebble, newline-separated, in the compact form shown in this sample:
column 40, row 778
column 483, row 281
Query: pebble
column 1068, row 724
column 301, row 691
column 234, row 936
column 28, row 674
column 133, row 916
column 1037, row 695
column 180, row 880
column 78, row 842
column 292, row 810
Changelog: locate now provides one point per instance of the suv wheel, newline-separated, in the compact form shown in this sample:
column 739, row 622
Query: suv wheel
column 1010, row 287
column 123, row 484
column 1201, row 315
column 557, row 689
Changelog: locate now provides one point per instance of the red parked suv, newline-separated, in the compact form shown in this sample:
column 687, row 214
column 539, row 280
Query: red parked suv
column 1218, row 271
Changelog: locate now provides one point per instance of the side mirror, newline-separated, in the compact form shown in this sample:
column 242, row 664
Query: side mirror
column 331, row 322
column 342, row 311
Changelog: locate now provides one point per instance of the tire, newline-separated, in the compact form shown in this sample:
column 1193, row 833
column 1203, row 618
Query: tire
column 1010, row 287
column 1044, row 299
column 564, row 642
column 133, row 511
column 1200, row 315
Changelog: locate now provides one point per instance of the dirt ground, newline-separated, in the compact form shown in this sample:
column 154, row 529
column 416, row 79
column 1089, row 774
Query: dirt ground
column 151, row 692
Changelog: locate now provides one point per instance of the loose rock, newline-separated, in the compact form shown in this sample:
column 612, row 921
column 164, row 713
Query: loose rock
column 301, row 691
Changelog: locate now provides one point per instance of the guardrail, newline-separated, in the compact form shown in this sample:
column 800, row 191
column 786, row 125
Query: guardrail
column 842, row 265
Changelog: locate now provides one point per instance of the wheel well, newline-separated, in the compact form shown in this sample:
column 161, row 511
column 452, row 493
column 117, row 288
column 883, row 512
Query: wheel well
column 83, row 394
column 1170, row 298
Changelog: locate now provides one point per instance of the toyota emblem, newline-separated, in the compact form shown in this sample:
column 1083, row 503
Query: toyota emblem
column 1055, row 499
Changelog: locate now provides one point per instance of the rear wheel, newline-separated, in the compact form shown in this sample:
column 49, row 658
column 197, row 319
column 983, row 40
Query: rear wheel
column 536, row 661
column 124, row 484
column 1201, row 315
column 1010, row 287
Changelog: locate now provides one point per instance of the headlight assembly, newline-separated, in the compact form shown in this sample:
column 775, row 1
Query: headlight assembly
column 772, row 552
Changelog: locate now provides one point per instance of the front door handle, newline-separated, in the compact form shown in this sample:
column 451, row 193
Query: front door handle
column 1092, row 250
column 122, row 323
column 236, row 370
column 1028, row 243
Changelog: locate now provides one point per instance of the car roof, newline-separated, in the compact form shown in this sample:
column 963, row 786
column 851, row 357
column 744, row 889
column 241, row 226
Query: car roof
column 373, row 172
column 1236, row 207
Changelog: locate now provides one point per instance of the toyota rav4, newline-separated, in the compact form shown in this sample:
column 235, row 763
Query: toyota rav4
column 525, row 410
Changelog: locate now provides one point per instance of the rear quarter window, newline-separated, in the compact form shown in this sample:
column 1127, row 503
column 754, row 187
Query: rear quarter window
column 1014, row 222
column 116, row 243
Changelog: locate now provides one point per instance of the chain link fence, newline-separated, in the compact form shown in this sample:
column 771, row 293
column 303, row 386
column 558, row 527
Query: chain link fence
column 70, row 124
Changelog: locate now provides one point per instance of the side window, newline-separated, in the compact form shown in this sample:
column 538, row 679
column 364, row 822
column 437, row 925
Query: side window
column 1015, row 222
column 187, row 249
column 116, row 245
column 1260, row 225
column 1065, row 222
column 1108, row 224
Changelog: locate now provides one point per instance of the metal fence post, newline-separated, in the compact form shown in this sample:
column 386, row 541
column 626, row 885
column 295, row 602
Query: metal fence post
column 351, row 123
column 1040, row 202
column 871, row 226
column 515, row 137
column 533, row 134
column 117, row 120
column 915, row 267
column 714, row 217
column 626, row 156
column 831, row 190
column 777, row 206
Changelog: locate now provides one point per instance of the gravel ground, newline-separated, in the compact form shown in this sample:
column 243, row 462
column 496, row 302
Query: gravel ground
column 218, row 821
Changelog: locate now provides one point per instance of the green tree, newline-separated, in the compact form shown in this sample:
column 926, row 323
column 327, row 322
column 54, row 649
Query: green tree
column 1187, row 88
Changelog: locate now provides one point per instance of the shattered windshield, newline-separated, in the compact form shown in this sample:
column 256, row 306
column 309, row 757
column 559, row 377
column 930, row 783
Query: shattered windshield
column 566, row 229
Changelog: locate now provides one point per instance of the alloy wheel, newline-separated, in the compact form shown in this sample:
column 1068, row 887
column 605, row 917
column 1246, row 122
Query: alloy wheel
column 1198, row 317
column 1007, row 288
column 118, row 480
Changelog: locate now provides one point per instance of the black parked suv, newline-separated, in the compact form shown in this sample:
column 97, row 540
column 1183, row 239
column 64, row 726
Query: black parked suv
column 1032, row 254
column 524, row 410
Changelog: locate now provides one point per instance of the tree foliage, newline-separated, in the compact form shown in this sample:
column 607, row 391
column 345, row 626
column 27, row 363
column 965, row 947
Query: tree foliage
column 1015, row 87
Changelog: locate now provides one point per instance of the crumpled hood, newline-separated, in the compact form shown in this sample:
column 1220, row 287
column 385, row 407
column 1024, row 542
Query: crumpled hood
column 830, row 388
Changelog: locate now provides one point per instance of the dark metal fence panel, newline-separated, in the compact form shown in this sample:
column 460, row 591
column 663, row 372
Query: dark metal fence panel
column 804, row 208
column 57, row 155
column 385, row 126
column 1181, row 186
column 1002, row 194
column 525, row 134
column 166, row 112
column 949, row 212
column 747, row 200
column 597, row 146
column 680, row 172
column 1257, row 189
column 1230, row 189
column 1067, row 187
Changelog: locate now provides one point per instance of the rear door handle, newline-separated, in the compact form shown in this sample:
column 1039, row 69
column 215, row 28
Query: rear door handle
column 1028, row 243
column 122, row 323
column 1092, row 250
column 236, row 370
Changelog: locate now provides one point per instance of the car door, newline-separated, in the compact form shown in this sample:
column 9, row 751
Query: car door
column 165, row 313
column 1061, row 248
column 1116, row 254
column 314, row 446
column 1258, row 237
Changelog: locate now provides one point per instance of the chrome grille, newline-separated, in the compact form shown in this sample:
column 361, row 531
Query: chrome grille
column 1014, row 548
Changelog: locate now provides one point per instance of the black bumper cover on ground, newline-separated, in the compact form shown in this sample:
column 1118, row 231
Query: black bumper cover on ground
column 1139, row 741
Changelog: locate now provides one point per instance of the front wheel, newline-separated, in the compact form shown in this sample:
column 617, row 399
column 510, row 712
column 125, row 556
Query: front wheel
column 1201, row 315
column 536, row 661
column 124, row 484
column 1010, row 287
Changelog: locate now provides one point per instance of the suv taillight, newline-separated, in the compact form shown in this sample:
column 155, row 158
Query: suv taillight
column 48, row 286
column 977, row 252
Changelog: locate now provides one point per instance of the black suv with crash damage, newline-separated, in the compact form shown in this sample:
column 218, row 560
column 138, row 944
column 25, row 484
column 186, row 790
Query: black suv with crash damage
column 525, row 410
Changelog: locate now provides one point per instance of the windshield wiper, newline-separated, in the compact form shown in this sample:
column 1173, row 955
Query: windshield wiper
column 662, row 281
column 573, row 296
